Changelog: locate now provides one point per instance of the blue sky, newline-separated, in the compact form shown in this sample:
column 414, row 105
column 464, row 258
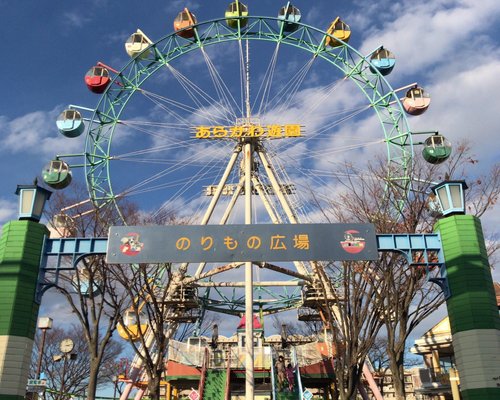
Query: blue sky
column 450, row 47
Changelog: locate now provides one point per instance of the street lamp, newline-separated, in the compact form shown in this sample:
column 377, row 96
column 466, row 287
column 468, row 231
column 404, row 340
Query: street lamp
column 115, row 380
column 44, row 324
column 66, row 347
column 32, row 200
column 451, row 197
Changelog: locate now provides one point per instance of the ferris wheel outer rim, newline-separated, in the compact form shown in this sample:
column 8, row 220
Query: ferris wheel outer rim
column 403, row 135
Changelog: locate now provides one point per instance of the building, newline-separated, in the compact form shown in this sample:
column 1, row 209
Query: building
column 440, row 378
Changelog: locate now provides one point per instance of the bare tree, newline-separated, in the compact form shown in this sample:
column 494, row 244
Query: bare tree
column 404, row 295
column 145, row 322
column 304, row 328
column 205, row 327
column 69, row 373
column 88, row 285
column 150, row 316
column 354, row 316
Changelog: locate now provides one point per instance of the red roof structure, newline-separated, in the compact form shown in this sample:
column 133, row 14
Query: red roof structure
column 256, row 323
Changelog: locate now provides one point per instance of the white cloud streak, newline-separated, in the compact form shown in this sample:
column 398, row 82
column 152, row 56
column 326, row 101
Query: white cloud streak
column 35, row 133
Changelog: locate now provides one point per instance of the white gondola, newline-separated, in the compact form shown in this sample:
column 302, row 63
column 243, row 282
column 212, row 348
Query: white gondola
column 137, row 44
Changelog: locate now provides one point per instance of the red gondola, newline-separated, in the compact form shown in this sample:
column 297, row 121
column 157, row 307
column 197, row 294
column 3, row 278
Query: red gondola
column 97, row 79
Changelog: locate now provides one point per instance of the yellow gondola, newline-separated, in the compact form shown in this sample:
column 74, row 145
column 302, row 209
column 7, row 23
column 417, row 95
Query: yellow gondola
column 339, row 30
column 236, row 12
column 133, row 326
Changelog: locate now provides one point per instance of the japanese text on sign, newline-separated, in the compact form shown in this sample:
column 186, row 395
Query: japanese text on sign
column 276, row 242
column 226, row 243
column 267, row 131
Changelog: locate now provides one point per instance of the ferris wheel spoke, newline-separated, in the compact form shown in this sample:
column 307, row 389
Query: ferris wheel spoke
column 197, row 95
column 194, row 158
column 225, row 96
column 266, row 84
column 169, row 105
column 326, row 93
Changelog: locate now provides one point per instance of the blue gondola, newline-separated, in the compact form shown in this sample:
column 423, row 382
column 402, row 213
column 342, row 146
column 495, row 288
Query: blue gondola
column 383, row 60
column 70, row 123
column 85, row 285
column 289, row 16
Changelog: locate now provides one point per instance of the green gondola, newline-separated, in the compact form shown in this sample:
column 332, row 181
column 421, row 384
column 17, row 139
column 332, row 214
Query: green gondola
column 57, row 174
column 436, row 149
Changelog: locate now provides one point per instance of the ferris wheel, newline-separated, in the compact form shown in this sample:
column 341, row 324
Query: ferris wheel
column 241, row 107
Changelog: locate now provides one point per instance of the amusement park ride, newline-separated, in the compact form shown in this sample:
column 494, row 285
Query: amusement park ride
column 201, row 139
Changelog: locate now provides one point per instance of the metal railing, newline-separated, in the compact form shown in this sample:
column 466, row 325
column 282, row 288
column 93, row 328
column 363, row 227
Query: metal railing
column 425, row 378
column 193, row 355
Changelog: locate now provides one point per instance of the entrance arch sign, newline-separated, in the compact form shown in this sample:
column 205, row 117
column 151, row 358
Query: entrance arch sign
column 228, row 243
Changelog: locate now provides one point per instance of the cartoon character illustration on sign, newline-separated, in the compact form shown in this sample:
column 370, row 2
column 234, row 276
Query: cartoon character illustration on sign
column 131, row 245
column 353, row 244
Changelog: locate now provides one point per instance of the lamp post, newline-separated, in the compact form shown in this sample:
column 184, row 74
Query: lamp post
column 21, row 246
column 472, row 306
column 32, row 199
column 66, row 347
column 44, row 324
column 114, row 379
column 451, row 197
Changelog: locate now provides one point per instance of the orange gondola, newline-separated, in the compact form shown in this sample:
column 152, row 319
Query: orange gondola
column 183, row 24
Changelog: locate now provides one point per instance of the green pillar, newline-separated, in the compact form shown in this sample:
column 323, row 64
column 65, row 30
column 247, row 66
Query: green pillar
column 20, row 251
column 472, row 307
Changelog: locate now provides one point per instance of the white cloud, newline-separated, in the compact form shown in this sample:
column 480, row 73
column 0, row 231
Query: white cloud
column 464, row 108
column 423, row 34
column 75, row 19
column 8, row 210
column 36, row 133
